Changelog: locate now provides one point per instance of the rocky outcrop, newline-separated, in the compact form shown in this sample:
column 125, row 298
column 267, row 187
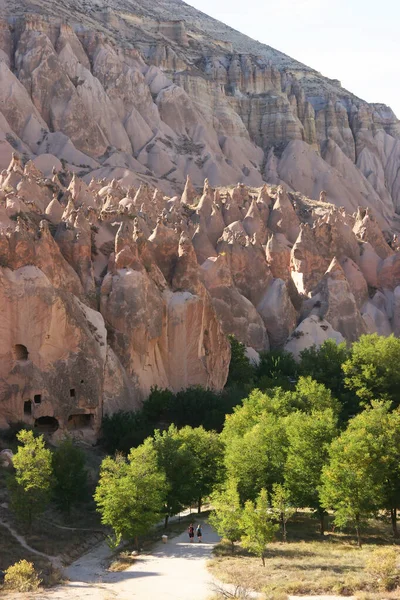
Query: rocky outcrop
column 118, row 273
column 109, row 291
column 312, row 331
column 176, row 94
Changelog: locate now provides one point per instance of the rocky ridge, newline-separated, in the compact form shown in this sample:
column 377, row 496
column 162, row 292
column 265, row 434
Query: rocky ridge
column 107, row 291
column 153, row 92
column 137, row 229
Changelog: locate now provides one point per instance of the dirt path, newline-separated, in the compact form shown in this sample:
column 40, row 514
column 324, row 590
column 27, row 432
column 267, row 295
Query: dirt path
column 55, row 560
column 173, row 571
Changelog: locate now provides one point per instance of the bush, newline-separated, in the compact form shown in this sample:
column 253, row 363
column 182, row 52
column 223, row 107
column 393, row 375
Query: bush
column 382, row 567
column 276, row 368
column 22, row 577
column 241, row 371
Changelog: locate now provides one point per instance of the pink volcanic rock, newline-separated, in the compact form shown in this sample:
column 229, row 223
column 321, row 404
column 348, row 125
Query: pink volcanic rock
column 283, row 218
column 237, row 314
column 277, row 253
column 306, row 262
column 247, row 264
column 356, row 280
column 338, row 305
column 189, row 193
column 253, row 223
column 278, row 313
column 367, row 229
column 53, row 354
column 389, row 272
column 313, row 331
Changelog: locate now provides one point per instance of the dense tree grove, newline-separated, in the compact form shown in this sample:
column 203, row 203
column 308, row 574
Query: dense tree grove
column 321, row 434
column 42, row 475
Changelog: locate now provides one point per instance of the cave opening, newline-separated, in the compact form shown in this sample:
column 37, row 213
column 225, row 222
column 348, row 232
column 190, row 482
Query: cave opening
column 82, row 421
column 21, row 352
column 37, row 398
column 46, row 424
column 27, row 407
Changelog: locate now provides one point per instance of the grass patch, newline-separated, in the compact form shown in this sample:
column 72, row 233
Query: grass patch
column 308, row 563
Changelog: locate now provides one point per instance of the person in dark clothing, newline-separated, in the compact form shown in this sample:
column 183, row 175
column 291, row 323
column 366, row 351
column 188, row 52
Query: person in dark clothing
column 191, row 532
column 199, row 533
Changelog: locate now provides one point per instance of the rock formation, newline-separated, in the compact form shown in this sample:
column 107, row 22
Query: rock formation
column 159, row 93
column 101, row 302
column 166, row 181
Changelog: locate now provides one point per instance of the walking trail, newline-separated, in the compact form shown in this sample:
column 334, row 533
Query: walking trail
column 173, row 571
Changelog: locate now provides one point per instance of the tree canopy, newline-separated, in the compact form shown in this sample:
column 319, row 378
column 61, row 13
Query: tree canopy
column 130, row 494
column 30, row 487
column 372, row 369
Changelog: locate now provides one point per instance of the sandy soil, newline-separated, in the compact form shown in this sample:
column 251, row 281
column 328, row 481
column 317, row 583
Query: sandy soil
column 173, row 571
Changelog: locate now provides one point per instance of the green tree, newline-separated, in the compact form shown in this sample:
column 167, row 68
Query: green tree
column 246, row 415
column 257, row 525
column 208, row 451
column 197, row 406
column 227, row 512
column 309, row 396
column 30, row 487
column 241, row 371
column 179, row 464
column 282, row 506
column 353, row 482
column 122, row 431
column 324, row 365
column 70, row 475
column 309, row 439
column 392, row 468
column 130, row 494
column 276, row 368
column 257, row 458
column 372, row 370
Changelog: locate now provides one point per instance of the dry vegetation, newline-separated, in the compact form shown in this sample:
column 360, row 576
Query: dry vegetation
column 53, row 534
column 307, row 564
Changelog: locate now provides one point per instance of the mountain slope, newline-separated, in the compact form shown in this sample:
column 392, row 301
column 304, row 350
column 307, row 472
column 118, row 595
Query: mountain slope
column 156, row 91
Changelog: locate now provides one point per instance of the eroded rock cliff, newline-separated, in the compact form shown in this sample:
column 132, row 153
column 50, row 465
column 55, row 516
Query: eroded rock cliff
column 107, row 291
column 137, row 229
column 153, row 92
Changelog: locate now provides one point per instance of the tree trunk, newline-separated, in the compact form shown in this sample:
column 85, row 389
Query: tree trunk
column 263, row 560
column 359, row 543
column 166, row 521
column 284, row 530
column 321, row 522
column 393, row 518
column 232, row 548
column 137, row 542
column 199, row 505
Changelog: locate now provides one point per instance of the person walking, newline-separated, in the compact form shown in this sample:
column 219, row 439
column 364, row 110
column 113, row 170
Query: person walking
column 199, row 533
column 191, row 532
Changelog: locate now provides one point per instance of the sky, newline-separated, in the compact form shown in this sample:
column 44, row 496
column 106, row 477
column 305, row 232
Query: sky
column 355, row 41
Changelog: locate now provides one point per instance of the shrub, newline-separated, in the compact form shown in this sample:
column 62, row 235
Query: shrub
column 381, row 566
column 241, row 371
column 22, row 577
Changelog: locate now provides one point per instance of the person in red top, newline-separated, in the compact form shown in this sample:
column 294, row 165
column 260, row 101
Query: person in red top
column 191, row 532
